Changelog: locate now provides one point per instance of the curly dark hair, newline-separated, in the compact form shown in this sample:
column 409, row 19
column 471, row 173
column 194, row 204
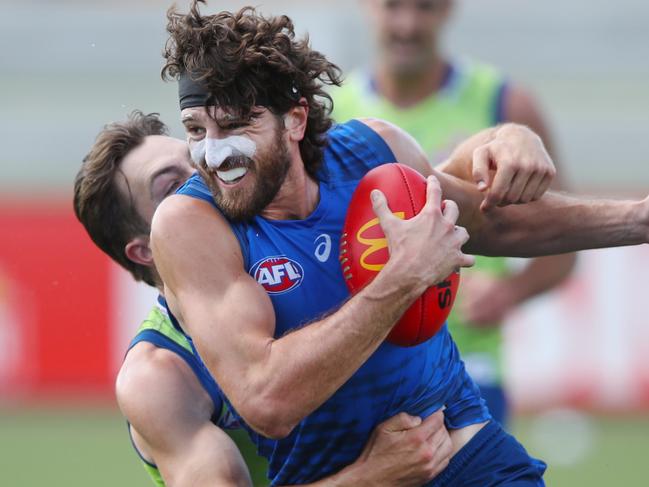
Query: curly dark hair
column 244, row 57
column 108, row 214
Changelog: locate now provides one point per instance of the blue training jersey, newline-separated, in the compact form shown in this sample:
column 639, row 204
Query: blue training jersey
column 296, row 261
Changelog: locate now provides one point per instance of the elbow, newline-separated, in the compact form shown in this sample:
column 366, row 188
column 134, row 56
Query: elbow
column 269, row 418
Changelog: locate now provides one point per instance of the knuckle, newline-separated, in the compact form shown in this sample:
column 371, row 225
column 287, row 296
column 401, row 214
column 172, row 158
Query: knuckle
column 427, row 455
column 447, row 226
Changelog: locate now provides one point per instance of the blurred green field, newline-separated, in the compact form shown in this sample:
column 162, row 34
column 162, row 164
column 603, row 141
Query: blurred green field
column 90, row 447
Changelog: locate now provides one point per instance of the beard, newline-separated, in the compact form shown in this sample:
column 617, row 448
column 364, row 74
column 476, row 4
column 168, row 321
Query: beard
column 268, row 169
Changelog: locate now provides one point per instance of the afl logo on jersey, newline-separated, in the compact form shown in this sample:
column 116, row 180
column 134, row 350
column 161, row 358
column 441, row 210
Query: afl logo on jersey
column 278, row 274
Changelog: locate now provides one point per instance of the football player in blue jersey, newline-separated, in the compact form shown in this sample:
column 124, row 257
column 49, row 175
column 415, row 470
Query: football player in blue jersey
column 301, row 362
column 172, row 405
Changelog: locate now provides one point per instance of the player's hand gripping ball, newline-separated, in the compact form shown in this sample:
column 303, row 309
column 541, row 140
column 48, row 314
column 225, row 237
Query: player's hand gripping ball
column 364, row 249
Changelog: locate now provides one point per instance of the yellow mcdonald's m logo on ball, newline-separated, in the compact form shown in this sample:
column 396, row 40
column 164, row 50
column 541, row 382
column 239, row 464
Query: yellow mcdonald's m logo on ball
column 373, row 244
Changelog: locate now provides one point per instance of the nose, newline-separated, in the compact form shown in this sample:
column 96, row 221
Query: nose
column 215, row 151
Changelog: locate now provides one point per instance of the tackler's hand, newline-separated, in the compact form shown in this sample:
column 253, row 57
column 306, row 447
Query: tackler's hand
column 513, row 168
column 405, row 451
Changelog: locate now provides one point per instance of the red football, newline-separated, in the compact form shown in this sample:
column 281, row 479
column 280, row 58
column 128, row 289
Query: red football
column 364, row 249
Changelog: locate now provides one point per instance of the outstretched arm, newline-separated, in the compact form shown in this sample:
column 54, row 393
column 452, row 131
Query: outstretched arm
column 554, row 224
column 488, row 298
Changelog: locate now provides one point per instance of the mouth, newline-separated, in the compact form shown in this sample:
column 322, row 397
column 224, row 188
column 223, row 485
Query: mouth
column 233, row 170
column 232, row 176
column 404, row 43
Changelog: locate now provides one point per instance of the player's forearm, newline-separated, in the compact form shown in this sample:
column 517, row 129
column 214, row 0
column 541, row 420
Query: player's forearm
column 557, row 224
column 305, row 367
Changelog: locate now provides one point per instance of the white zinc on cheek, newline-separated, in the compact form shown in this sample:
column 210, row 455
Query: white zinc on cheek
column 197, row 152
column 215, row 151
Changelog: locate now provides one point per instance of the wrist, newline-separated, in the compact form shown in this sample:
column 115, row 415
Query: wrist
column 397, row 282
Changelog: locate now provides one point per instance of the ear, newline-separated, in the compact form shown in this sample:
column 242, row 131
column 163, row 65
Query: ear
column 137, row 250
column 295, row 121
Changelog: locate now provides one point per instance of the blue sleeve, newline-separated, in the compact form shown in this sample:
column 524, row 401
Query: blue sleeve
column 353, row 149
column 196, row 188
column 382, row 152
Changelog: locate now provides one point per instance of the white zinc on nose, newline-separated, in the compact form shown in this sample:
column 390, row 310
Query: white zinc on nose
column 215, row 151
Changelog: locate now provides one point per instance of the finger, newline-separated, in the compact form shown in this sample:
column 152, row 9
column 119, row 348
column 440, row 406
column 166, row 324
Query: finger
column 437, row 465
column 401, row 422
column 516, row 188
column 481, row 165
column 432, row 423
column 461, row 234
column 450, row 210
column 467, row 260
column 501, row 184
column 531, row 188
column 381, row 209
column 443, row 447
column 433, row 193
column 438, row 437
column 543, row 187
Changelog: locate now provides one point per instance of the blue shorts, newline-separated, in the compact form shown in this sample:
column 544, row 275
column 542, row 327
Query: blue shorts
column 492, row 457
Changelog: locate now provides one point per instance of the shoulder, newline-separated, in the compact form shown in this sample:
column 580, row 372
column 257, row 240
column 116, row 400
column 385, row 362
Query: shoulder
column 181, row 225
column 153, row 384
column 405, row 148
column 176, row 209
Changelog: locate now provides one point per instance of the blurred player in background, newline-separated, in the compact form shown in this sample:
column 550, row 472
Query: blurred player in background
column 173, row 405
column 440, row 102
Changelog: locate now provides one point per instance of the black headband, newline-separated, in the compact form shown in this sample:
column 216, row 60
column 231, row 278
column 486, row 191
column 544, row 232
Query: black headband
column 192, row 93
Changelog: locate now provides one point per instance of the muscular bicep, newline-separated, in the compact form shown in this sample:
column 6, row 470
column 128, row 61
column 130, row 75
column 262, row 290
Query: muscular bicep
column 226, row 312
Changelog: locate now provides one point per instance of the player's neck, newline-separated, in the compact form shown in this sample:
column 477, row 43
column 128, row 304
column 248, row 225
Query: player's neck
column 408, row 89
column 297, row 198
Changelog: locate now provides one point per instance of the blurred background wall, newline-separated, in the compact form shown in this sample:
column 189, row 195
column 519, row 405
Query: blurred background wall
column 68, row 67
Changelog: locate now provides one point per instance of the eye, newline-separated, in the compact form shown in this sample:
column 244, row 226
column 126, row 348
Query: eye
column 173, row 187
column 195, row 131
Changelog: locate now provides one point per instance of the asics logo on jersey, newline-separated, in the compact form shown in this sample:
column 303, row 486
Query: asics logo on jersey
column 375, row 244
column 323, row 247
column 278, row 274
